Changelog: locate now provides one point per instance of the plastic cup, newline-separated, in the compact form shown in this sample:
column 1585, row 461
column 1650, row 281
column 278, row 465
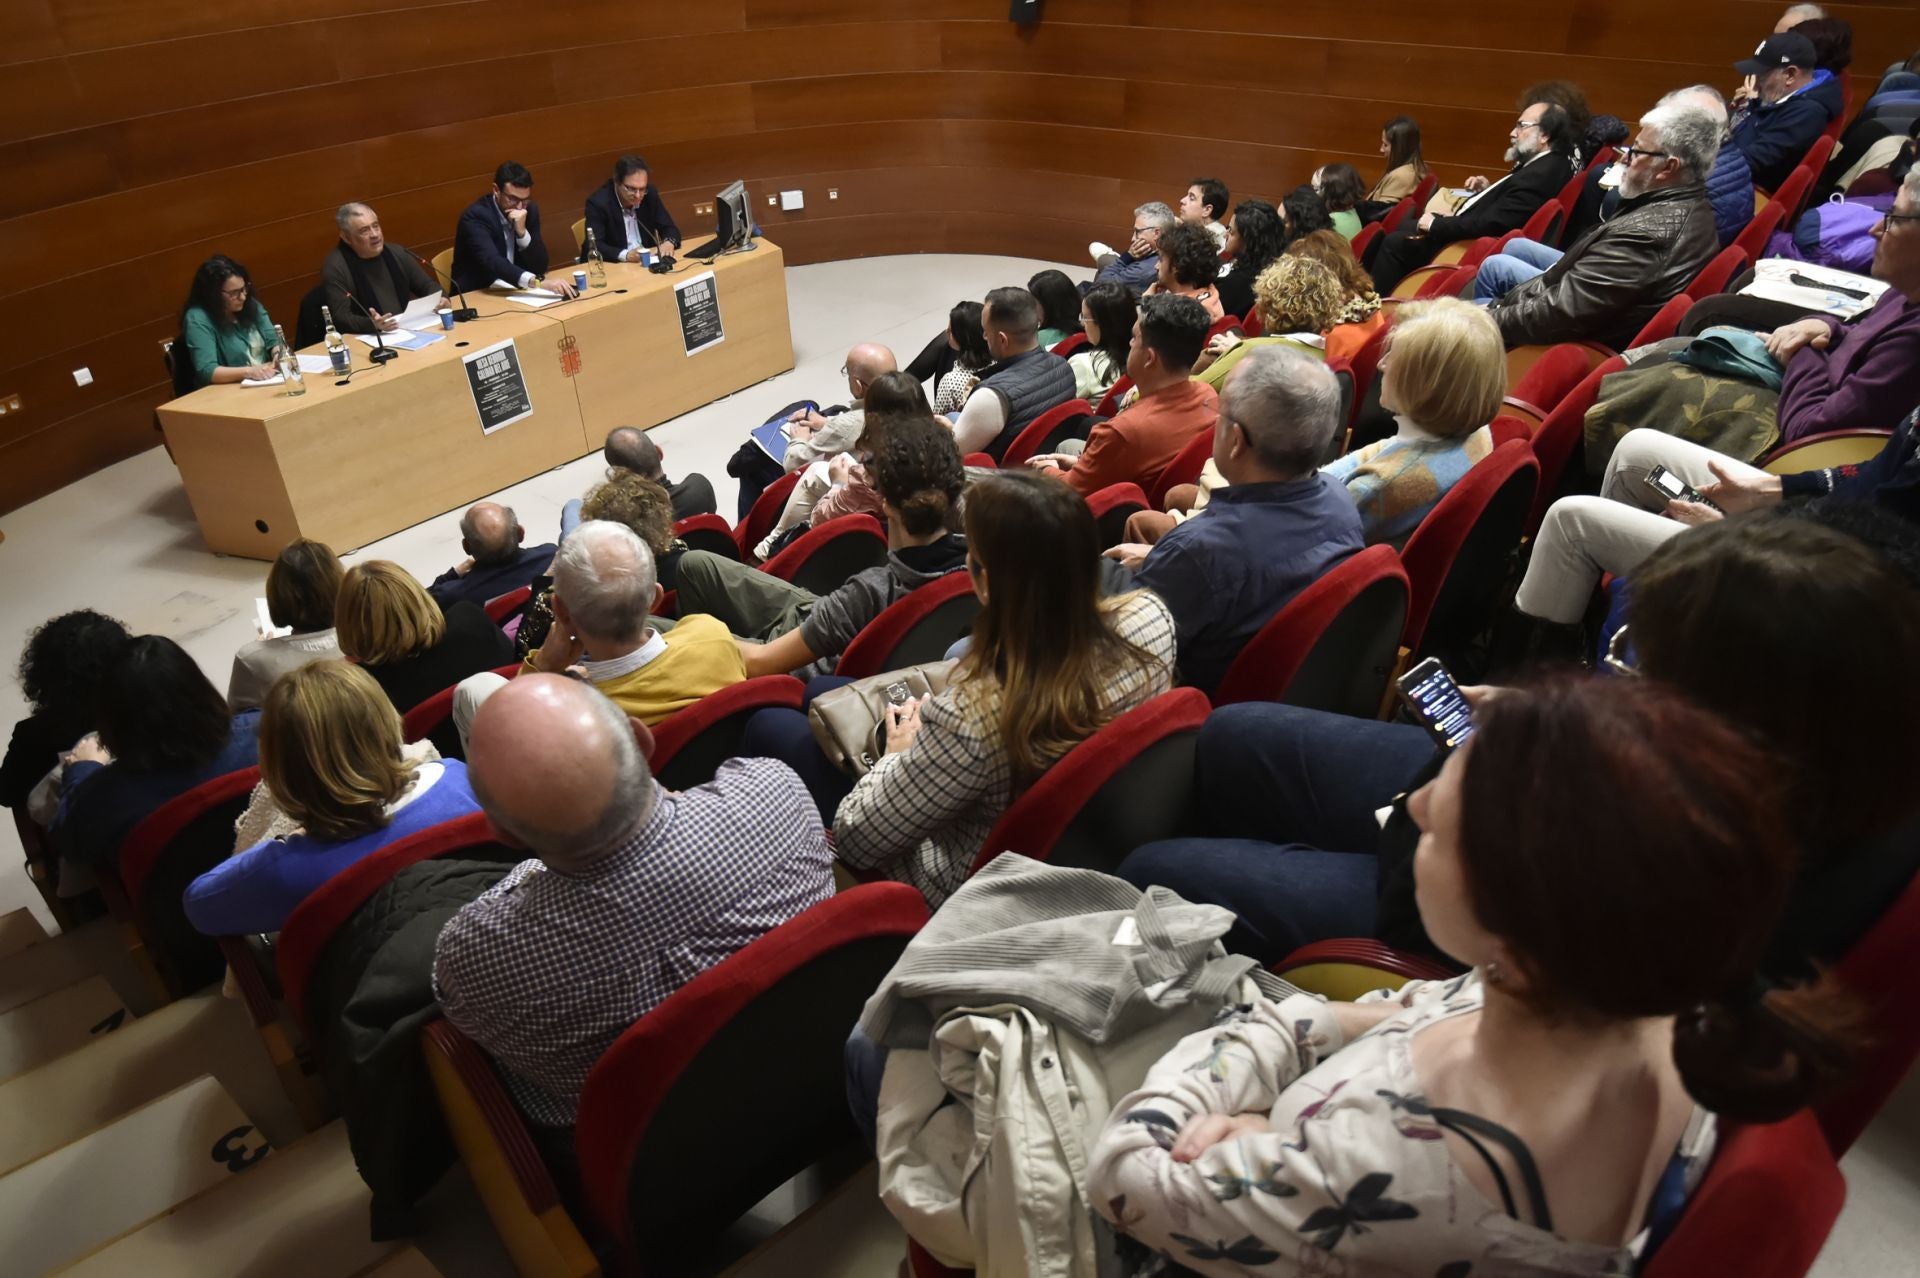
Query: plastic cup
column 580, row 280
column 446, row 318
column 646, row 257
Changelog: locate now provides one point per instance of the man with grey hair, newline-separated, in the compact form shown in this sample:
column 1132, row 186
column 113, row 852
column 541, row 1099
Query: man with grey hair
column 1797, row 14
column 1139, row 265
column 381, row 279
column 1618, row 275
column 634, row 890
column 496, row 562
column 604, row 587
column 1729, row 184
column 1273, row 530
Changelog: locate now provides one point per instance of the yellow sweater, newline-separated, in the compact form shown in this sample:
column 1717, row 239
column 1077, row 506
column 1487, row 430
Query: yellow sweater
column 701, row 657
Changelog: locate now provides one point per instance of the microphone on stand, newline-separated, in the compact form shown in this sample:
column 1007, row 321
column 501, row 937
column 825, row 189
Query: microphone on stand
column 380, row 352
column 662, row 260
column 465, row 312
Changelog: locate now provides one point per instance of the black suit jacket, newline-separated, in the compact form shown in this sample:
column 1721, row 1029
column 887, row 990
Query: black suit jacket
column 610, row 228
column 480, row 246
column 1508, row 207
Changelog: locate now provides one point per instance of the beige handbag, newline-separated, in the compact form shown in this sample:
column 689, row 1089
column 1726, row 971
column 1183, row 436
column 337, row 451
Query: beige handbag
column 850, row 723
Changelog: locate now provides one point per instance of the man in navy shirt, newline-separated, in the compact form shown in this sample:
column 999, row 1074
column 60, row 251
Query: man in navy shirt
column 1276, row 527
column 496, row 562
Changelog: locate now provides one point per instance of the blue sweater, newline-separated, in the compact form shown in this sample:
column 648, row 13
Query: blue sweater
column 256, row 890
column 1395, row 482
column 101, row 803
column 1775, row 137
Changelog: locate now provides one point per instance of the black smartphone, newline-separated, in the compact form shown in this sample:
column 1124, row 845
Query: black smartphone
column 1437, row 703
column 1674, row 488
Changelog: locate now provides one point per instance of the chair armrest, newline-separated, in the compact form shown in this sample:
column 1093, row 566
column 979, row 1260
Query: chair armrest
column 471, row 1093
column 250, row 960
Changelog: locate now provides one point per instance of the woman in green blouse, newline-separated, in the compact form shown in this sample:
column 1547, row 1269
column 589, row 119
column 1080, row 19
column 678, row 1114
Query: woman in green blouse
column 226, row 332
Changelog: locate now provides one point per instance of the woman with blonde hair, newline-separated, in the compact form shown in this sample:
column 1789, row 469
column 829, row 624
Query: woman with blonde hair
column 302, row 586
column 388, row 623
column 332, row 761
column 1298, row 300
column 1443, row 378
column 1360, row 312
column 1050, row 663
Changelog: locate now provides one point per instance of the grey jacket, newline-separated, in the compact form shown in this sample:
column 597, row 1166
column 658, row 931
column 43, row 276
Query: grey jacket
column 1618, row 275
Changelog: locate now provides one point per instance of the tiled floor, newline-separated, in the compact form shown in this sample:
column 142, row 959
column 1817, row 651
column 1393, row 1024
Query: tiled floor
column 124, row 541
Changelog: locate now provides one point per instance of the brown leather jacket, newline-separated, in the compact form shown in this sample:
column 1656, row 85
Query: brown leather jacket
column 1618, row 275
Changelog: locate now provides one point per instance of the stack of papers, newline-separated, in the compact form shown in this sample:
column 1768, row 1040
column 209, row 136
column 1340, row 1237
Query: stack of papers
column 309, row 364
column 1840, row 294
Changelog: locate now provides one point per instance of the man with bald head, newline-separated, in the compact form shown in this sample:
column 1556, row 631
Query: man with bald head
column 634, row 890
column 364, row 264
column 496, row 562
column 813, row 436
column 630, row 448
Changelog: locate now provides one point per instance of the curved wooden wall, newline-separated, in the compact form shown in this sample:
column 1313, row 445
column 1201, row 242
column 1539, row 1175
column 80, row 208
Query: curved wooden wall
column 139, row 136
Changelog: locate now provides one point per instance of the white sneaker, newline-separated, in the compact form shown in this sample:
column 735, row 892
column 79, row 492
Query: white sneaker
column 1097, row 250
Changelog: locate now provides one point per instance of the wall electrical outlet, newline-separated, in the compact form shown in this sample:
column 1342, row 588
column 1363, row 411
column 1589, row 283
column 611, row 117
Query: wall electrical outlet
column 833, row 193
column 11, row 404
column 83, row 377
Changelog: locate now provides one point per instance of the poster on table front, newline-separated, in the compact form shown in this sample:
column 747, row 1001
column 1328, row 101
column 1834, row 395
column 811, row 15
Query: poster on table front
column 499, row 389
column 699, row 301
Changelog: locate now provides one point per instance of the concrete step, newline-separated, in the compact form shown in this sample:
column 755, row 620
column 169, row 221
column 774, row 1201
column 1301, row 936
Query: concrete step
column 54, row 1024
column 93, row 950
column 18, row 930
column 70, row 1201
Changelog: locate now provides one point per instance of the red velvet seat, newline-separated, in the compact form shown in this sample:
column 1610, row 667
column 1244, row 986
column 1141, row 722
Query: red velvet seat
column 1507, row 427
column 1365, row 363
column 1251, row 325
column 1032, row 441
column 1458, row 558
column 1225, row 323
column 1814, row 163
column 1185, row 468
column 1717, row 274
column 983, row 461
column 1397, row 214
column 760, row 520
column 1879, row 970
column 501, row 608
column 1754, row 236
column 822, row 558
column 1763, row 1210
column 1333, row 646
column 1569, row 197
column 1069, row 344
column 690, row 744
column 708, row 532
column 1424, row 190
column 1365, row 239
column 1551, row 379
column 913, row 630
column 1479, row 251
column 1112, row 507
column 1127, row 784
column 1110, row 402
column 176, row 843
column 1545, row 224
column 433, row 718
column 1561, row 433
column 1664, row 324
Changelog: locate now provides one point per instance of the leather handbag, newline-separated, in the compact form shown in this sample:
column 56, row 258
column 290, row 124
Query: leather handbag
column 850, row 722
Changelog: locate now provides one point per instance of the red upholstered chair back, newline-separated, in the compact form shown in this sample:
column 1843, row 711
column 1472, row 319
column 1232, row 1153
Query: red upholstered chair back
column 1364, row 241
column 1424, row 191
column 1366, row 366
column 1457, row 558
column 433, row 719
column 765, row 513
column 1185, row 468
column 1396, row 215
column 1223, row 324
column 1569, row 197
column 1030, row 442
column 1763, row 1210
column 982, row 461
column 822, row 558
column 1333, row 646
column 689, row 745
column 1127, row 784
column 1552, row 378
column 501, row 608
column 1754, row 236
column 1815, row 163
column 1251, row 325
column 1561, row 433
column 736, row 1082
column 1110, row 402
column 1112, row 507
column 1879, row 970
column 1604, row 156
column 1665, row 323
column 1544, row 226
column 177, row 843
column 1069, row 344
column 915, row 629
column 1507, row 427
column 1479, row 251
column 708, row 532
column 314, row 922
column 1717, row 274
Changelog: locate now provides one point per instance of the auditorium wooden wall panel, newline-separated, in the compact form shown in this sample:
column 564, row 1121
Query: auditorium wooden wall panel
column 139, row 138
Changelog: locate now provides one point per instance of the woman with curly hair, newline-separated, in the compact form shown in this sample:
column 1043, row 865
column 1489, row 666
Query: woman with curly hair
column 1297, row 299
column 1190, row 266
column 226, row 335
column 1360, row 312
column 60, row 672
column 1255, row 237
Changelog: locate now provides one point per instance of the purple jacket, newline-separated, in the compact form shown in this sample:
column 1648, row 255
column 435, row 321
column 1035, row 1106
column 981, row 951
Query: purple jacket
column 1868, row 377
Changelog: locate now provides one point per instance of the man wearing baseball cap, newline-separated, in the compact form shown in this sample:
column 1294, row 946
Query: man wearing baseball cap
column 1787, row 103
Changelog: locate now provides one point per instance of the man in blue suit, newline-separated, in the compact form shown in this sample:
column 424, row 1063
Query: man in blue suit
column 499, row 237
column 627, row 214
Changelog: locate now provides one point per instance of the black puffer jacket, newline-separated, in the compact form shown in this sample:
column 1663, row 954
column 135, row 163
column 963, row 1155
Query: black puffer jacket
column 1617, row 276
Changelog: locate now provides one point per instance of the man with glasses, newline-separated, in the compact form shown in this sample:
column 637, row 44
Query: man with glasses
column 1139, row 266
column 814, row 436
column 627, row 215
column 1540, row 148
column 1618, row 275
column 1784, row 106
column 498, row 237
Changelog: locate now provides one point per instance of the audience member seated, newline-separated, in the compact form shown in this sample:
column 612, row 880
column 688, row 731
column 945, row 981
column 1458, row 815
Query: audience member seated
column 603, row 588
column 1540, row 150
column 1361, row 315
column 1443, row 379
column 1278, row 526
column 1729, row 182
column 1189, row 267
column 1107, row 315
column 1400, row 143
column 1051, row 662
column 917, row 475
column 1204, row 204
column 1790, row 104
column 1610, row 283
column 498, row 237
column 1727, row 616
column 1596, row 1069
column 380, row 280
column 1170, row 409
column 633, row 891
column 1059, row 305
column 1832, row 40
column 62, row 667
column 813, row 435
column 968, row 342
column 226, row 335
column 1139, row 264
column 1342, row 187
column 1255, row 239
column 1298, row 301
column 497, row 562
column 630, row 448
column 413, row 649
column 622, row 498
column 333, row 763
column 627, row 215
column 302, row 588
column 164, row 729
column 1024, row 381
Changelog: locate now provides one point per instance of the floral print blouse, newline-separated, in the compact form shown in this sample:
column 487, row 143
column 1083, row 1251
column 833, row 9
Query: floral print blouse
column 1355, row 1178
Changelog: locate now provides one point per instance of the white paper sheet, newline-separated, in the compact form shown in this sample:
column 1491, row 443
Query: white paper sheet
column 405, row 339
column 421, row 312
column 309, row 364
column 534, row 297
column 1772, row 281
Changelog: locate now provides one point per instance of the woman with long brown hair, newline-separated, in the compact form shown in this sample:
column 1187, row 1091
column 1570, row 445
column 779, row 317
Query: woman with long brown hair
column 1400, row 143
column 1050, row 663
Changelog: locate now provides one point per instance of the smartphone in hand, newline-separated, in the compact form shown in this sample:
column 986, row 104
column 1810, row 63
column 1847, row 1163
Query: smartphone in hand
column 1437, row 703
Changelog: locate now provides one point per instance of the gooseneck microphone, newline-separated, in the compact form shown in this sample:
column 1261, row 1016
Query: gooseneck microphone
column 465, row 312
column 381, row 352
